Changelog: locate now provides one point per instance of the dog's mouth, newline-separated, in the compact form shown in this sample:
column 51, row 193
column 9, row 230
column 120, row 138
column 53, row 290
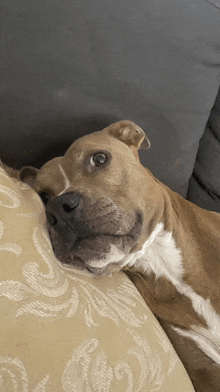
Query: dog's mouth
column 97, row 253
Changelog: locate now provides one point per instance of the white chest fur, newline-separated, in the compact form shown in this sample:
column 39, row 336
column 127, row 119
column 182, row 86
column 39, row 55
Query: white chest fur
column 161, row 256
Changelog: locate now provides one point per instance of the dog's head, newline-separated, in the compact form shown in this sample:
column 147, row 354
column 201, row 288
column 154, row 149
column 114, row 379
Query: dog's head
column 95, row 197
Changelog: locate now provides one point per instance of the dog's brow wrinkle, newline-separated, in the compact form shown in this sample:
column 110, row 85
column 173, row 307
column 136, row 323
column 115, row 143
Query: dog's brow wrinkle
column 66, row 180
column 80, row 155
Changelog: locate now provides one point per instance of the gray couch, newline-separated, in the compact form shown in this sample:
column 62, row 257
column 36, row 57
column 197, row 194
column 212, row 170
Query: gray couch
column 73, row 67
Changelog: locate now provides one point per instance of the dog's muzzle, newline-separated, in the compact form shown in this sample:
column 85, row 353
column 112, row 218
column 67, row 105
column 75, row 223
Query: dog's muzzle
column 95, row 234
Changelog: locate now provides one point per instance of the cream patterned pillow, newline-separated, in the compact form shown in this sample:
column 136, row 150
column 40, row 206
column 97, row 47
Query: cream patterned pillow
column 63, row 330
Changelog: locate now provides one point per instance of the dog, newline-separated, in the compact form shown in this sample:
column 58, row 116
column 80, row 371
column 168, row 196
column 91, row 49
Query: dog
column 106, row 212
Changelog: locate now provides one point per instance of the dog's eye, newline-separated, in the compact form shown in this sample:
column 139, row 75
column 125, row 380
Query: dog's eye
column 98, row 159
column 44, row 197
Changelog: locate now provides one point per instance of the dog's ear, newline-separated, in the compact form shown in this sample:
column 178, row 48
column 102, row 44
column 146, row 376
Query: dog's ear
column 130, row 134
column 28, row 175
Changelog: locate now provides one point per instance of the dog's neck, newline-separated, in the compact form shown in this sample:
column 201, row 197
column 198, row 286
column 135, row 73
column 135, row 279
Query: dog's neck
column 177, row 270
column 179, row 244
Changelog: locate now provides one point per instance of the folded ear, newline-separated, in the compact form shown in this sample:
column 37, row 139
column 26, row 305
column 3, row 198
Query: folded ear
column 130, row 133
column 28, row 175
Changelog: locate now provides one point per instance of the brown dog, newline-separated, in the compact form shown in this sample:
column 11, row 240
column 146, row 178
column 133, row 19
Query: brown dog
column 107, row 212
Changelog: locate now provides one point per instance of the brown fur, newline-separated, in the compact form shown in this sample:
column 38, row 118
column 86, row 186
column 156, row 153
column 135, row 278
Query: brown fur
column 196, row 233
column 165, row 301
column 202, row 370
column 171, row 308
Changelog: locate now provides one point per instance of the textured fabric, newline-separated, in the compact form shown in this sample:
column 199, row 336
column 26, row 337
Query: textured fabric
column 63, row 330
column 72, row 67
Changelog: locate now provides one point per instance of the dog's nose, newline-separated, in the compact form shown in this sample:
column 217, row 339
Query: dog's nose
column 62, row 209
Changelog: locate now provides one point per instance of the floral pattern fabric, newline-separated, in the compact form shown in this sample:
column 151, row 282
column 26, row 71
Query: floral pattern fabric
column 64, row 330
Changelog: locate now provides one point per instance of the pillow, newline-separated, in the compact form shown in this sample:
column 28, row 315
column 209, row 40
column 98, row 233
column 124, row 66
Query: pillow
column 65, row 330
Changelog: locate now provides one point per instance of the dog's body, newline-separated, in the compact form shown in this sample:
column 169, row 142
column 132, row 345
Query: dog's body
column 106, row 212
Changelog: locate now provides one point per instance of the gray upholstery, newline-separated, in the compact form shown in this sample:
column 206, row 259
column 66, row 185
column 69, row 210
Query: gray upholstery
column 73, row 67
column 204, row 185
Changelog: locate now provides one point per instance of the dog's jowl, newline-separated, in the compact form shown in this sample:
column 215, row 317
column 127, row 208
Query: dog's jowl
column 107, row 212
